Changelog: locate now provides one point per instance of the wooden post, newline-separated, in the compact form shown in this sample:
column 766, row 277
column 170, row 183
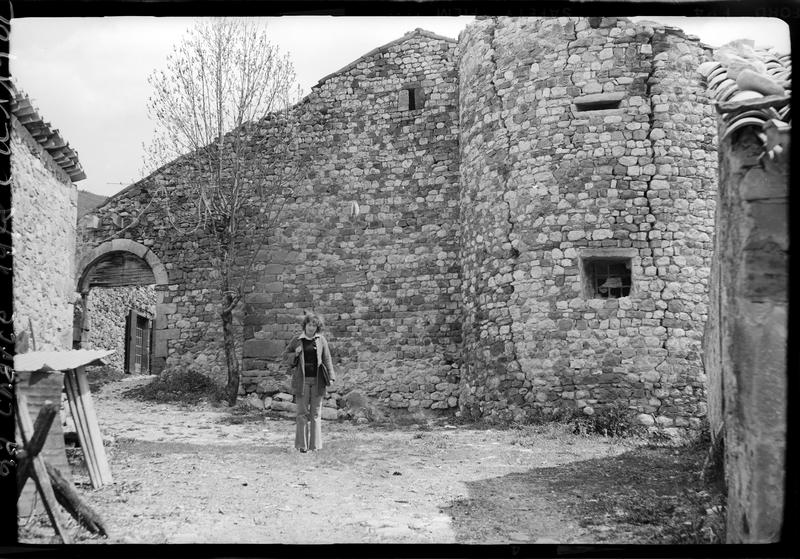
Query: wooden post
column 40, row 475
column 33, row 336
column 34, row 445
column 72, row 502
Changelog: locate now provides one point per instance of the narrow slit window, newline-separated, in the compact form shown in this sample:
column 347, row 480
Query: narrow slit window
column 597, row 105
column 410, row 99
column 608, row 278
column 598, row 101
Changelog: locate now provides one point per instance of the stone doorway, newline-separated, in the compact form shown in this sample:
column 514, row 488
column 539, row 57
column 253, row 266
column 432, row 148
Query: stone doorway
column 121, row 285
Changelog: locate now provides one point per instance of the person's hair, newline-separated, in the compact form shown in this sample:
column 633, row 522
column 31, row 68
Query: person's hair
column 315, row 319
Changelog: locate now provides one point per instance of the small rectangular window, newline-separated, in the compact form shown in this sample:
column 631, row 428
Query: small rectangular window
column 410, row 99
column 607, row 278
column 597, row 105
column 598, row 101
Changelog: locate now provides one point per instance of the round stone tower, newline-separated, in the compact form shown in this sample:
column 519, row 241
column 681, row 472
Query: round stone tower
column 588, row 172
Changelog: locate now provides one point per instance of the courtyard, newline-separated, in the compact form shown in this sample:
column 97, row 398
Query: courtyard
column 208, row 474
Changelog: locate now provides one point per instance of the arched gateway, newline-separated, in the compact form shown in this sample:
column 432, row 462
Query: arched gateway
column 124, row 263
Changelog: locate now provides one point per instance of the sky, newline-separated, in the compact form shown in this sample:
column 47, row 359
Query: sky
column 88, row 76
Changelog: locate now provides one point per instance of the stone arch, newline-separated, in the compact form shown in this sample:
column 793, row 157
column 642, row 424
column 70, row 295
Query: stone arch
column 102, row 252
column 120, row 245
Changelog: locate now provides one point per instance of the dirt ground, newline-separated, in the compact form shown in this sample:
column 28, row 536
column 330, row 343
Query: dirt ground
column 190, row 475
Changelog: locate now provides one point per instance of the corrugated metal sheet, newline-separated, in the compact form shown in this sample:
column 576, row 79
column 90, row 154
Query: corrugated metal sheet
column 58, row 360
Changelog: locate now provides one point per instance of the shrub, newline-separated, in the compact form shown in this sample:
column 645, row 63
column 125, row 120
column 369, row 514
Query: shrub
column 609, row 421
column 181, row 386
column 100, row 375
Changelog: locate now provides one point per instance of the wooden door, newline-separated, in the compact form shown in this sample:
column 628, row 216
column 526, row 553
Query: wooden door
column 138, row 343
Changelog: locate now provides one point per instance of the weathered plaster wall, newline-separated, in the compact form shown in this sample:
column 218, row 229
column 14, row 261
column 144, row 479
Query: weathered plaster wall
column 44, row 201
column 108, row 309
column 745, row 350
column 544, row 185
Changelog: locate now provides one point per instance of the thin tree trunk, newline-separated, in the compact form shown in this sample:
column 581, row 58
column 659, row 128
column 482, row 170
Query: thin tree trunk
column 229, row 344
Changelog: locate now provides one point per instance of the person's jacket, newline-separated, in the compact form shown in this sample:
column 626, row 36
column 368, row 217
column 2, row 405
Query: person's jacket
column 299, row 364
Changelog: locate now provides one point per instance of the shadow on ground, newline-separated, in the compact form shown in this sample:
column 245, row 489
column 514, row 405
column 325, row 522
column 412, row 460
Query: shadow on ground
column 649, row 495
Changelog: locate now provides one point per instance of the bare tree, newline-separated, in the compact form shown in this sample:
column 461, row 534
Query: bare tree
column 209, row 104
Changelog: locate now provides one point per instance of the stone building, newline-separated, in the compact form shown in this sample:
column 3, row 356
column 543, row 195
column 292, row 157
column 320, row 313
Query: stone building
column 43, row 170
column 113, row 314
column 745, row 346
column 535, row 230
column 118, row 312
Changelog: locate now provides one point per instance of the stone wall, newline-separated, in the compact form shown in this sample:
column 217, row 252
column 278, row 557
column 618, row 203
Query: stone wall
column 387, row 281
column 108, row 309
column 44, row 201
column 745, row 349
column 187, row 315
column 462, row 280
column 547, row 185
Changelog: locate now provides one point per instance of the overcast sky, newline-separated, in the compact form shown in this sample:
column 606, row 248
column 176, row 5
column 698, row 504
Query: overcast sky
column 88, row 76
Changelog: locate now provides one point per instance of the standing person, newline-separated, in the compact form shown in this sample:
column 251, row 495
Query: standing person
column 313, row 373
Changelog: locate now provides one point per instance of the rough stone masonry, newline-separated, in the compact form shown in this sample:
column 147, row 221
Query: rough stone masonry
column 537, row 205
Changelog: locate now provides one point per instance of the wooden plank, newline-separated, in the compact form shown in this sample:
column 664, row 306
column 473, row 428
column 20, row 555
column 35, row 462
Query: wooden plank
column 94, row 426
column 40, row 475
column 71, row 388
column 81, row 424
column 35, row 443
column 93, row 444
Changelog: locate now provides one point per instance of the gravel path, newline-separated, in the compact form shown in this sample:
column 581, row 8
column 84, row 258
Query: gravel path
column 182, row 475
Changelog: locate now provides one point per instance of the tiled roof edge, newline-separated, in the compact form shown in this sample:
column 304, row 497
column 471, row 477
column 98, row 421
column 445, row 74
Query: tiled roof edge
column 48, row 138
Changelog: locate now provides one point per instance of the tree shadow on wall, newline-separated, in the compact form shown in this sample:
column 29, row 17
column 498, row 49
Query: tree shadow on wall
column 650, row 495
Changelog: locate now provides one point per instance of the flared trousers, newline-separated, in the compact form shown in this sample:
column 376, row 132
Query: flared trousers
column 308, row 435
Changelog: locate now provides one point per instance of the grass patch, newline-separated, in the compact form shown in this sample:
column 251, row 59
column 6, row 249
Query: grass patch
column 179, row 386
column 609, row 421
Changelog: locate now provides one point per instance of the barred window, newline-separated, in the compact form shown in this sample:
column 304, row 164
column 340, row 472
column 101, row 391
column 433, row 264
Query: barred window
column 607, row 278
